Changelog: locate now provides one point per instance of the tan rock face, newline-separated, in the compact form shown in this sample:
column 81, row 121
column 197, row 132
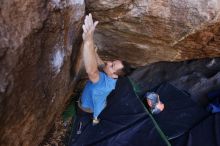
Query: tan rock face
column 146, row 31
column 36, row 57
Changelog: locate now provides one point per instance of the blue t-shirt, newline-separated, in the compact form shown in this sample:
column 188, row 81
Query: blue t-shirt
column 94, row 94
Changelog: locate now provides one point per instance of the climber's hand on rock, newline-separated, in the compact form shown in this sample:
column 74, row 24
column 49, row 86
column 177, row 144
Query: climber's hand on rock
column 88, row 28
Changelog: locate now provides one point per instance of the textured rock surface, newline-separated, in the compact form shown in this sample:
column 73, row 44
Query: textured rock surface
column 36, row 54
column 146, row 31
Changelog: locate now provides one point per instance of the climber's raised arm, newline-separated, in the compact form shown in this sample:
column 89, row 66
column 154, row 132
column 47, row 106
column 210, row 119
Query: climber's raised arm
column 89, row 54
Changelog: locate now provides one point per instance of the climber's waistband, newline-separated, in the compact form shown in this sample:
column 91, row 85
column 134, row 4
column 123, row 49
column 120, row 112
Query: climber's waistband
column 88, row 110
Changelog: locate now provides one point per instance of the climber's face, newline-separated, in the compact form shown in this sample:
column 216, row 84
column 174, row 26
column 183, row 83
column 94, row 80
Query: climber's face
column 112, row 67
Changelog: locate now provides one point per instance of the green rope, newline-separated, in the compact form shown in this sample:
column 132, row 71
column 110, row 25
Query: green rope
column 152, row 118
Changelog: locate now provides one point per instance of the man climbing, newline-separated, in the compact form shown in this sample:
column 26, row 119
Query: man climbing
column 100, row 84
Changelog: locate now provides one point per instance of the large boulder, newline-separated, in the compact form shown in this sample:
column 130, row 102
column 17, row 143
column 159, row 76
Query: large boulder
column 146, row 31
column 36, row 57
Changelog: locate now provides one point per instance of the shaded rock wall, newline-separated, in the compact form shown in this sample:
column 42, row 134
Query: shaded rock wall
column 146, row 31
column 36, row 57
column 197, row 77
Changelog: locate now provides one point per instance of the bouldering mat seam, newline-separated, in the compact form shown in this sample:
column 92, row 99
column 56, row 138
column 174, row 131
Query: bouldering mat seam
column 163, row 136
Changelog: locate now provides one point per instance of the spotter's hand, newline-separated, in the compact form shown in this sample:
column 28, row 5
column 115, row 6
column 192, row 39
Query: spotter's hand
column 88, row 28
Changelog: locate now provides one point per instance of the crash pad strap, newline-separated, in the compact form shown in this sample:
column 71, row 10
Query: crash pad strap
column 163, row 136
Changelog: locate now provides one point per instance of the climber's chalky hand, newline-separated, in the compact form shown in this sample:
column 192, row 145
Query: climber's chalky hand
column 88, row 28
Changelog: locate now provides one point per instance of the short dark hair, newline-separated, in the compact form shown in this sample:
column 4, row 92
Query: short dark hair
column 126, row 70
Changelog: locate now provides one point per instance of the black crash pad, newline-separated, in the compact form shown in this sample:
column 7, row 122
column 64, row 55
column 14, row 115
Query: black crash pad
column 125, row 122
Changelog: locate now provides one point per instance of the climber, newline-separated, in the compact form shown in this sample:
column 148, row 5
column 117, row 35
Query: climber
column 101, row 83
